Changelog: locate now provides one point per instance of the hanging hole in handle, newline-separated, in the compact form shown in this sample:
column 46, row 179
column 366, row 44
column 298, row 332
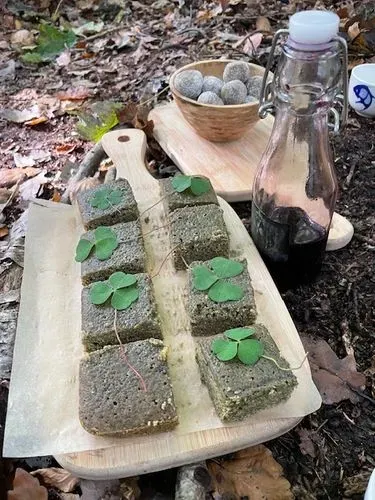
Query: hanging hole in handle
column 123, row 138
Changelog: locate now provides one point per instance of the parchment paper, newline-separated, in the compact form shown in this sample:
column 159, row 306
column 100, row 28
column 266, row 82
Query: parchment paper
column 42, row 414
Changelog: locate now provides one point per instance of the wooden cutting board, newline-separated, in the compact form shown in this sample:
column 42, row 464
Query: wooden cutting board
column 230, row 166
column 135, row 456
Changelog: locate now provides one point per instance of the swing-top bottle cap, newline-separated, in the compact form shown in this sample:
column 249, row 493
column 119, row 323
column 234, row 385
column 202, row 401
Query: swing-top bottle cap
column 312, row 27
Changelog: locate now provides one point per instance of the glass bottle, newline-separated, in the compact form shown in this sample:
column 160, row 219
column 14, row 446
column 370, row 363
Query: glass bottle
column 295, row 187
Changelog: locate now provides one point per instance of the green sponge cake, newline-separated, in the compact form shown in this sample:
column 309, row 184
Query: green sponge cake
column 128, row 257
column 208, row 317
column 137, row 322
column 107, row 204
column 238, row 390
column 174, row 200
column 198, row 233
column 111, row 399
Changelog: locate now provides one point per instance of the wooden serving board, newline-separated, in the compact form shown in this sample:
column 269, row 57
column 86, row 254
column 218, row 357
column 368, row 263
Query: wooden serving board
column 230, row 166
column 132, row 456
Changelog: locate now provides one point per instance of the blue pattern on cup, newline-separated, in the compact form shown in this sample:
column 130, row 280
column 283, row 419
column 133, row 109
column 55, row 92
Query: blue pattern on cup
column 364, row 95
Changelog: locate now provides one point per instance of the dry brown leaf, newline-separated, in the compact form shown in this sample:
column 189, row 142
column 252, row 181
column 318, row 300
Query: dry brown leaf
column 30, row 188
column 56, row 197
column 63, row 149
column 252, row 43
column 263, row 24
column 82, row 185
column 306, row 445
column 353, row 30
column 74, row 94
column 355, row 62
column 26, row 487
column 36, row 121
column 61, row 479
column 10, row 177
column 63, row 59
column 20, row 116
column 333, row 376
column 4, row 231
column 251, row 473
column 5, row 194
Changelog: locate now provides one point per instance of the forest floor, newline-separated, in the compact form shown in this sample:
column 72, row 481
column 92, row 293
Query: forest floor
column 126, row 54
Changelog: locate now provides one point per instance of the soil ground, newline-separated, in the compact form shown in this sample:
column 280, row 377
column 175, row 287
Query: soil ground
column 341, row 301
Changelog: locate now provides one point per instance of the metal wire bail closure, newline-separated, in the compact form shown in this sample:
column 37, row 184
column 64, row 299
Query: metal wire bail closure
column 266, row 104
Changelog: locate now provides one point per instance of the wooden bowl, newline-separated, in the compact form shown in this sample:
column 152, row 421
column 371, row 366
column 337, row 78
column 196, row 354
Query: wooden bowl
column 216, row 123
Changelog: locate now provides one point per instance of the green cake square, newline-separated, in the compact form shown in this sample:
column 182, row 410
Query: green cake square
column 112, row 401
column 238, row 390
column 208, row 317
column 114, row 202
column 198, row 233
column 174, row 200
column 139, row 321
column 128, row 257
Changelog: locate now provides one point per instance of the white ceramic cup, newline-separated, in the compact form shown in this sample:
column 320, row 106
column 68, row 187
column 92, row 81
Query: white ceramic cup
column 362, row 89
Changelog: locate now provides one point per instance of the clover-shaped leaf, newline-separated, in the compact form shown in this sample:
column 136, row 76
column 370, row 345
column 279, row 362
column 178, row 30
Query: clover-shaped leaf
column 226, row 268
column 222, row 291
column 225, row 350
column 235, row 343
column 249, row 351
column 121, row 286
column 105, row 198
column 239, row 333
column 100, row 292
column 105, row 244
column 197, row 185
column 121, row 280
column 83, row 249
column 124, row 297
column 203, row 278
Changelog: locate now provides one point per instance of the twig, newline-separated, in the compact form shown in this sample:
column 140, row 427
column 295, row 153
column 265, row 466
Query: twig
column 152, row 206
column 187, row 30
column 88, row 167
column 346, row 337
column 155, row 229
column 123, row 355
column 350, row 175
column 54, row 15
column 364, row 239
column 286, row 369
column 154, row 96
column 103, row 33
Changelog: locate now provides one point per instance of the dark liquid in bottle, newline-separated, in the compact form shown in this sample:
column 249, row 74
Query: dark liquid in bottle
column 290, row 243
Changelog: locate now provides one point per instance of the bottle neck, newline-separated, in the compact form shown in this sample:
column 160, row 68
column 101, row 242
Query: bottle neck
column 307, row 81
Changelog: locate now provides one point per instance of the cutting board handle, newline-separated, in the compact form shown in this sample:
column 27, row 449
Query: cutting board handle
column 127, row 150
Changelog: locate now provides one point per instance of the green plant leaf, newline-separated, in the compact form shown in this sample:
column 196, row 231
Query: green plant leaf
column 199, row 186
column 203, row 278
column 51, row 42
column 124, row 298
column 105, row 198
column 115, row 196
column 105, row 248
column 221, row 291
column 100, row 292
column 250, row 351
column 121, row 280
column 103, row 232
column 83, row 249
column 99, row 120
column 224, row 350
column 226, row 268
column 239, row 333
column 181, row 183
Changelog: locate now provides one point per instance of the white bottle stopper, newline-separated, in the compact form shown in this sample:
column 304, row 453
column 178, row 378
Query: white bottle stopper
column 313, row 27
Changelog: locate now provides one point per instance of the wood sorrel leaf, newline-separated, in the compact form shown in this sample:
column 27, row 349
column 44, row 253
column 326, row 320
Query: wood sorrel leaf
column 181, row 182
column 224, row 350
column 221, row 291
column 100, row 292
column 249, row 351
column 121, row 280
column 226, row 268
column 103, row 232
column 83, row 249
column 100, row 200
column 203, row 278
column 104, row 248
column 115, row 197
column 239, row 333
column 199, row 185
column 124, row 298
